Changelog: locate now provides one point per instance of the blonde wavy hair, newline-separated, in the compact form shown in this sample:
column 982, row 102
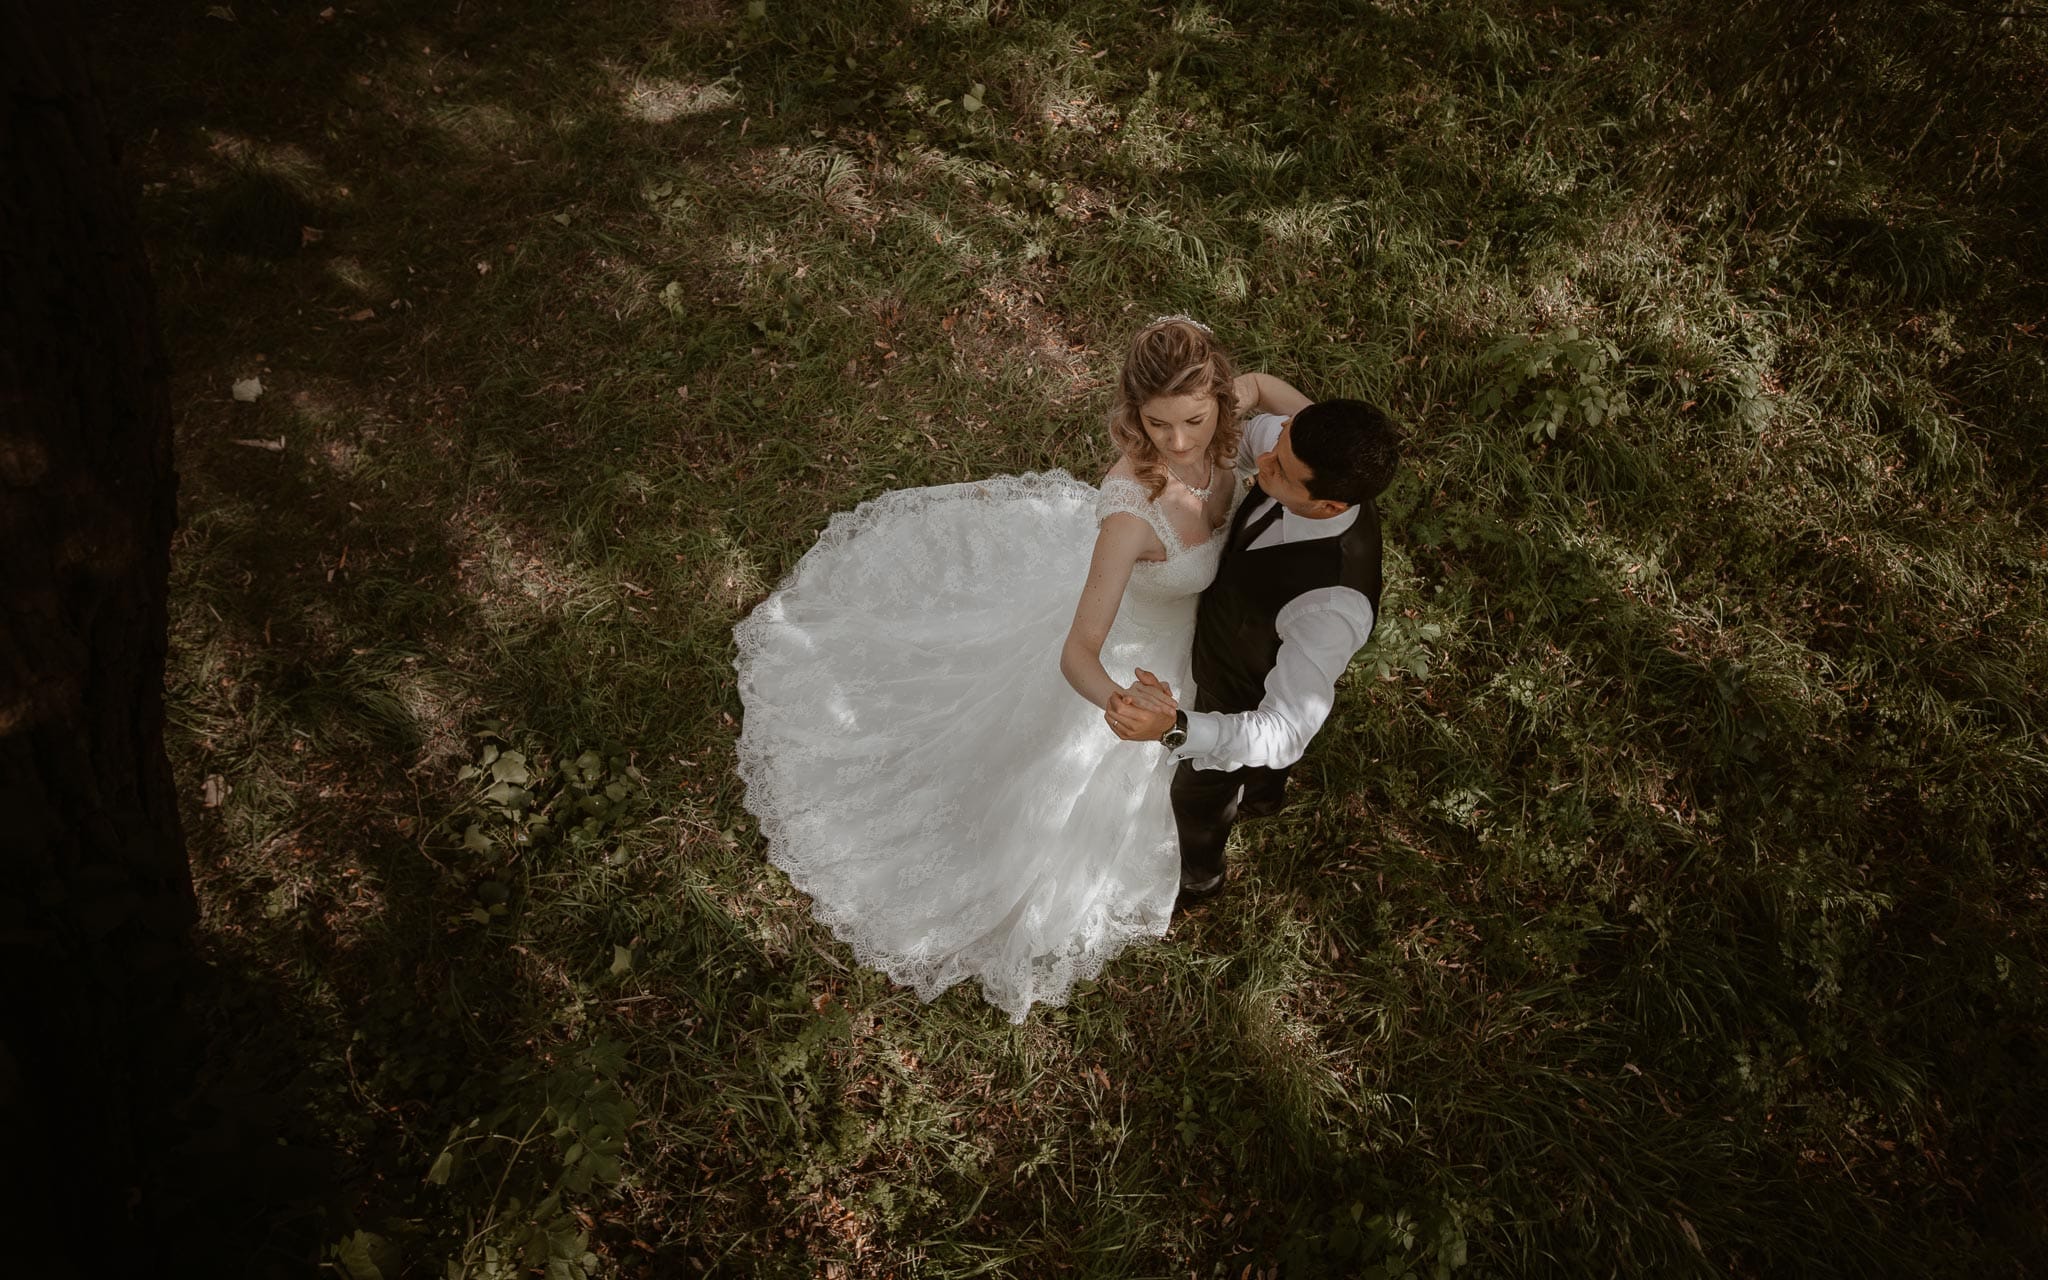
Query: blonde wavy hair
column 1173, row 356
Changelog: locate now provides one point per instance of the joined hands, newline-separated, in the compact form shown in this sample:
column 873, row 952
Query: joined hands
column 1143, row 712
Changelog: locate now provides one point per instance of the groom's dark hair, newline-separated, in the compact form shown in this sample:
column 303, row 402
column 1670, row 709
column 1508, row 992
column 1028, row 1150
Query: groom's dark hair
column 1351, row 449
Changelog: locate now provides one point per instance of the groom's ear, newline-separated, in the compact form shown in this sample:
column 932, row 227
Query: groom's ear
column 1325, row 508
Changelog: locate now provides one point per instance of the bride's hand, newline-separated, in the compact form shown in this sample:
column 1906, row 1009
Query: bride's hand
column 1142, row 712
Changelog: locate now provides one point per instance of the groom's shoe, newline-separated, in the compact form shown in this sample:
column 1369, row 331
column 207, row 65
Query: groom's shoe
column 1195, row 892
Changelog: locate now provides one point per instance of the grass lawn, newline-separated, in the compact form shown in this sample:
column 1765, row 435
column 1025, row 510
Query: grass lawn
column 1663, row 898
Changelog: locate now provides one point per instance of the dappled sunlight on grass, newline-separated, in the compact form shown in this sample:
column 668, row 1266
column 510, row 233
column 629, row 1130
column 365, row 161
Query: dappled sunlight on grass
column 304, row 171
column 735, row 571
column 623, row 289
column 659, row 100
column 352, row 274
column 481, row 128
column 515, row 581
column 1308, row 225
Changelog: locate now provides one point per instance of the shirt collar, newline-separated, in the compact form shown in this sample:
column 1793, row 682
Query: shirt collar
column 1294, row 528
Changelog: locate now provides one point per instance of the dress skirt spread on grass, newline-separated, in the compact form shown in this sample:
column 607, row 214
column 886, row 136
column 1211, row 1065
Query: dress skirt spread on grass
column 923, row 771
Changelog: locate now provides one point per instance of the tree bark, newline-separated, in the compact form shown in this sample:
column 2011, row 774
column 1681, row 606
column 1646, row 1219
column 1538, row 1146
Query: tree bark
column 96, row 903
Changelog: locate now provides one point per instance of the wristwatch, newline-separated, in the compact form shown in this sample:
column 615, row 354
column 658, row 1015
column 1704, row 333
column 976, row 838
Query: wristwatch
column 1177, row 737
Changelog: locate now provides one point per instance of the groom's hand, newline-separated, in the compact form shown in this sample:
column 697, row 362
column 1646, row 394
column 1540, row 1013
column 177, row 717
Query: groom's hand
column 1144, row 711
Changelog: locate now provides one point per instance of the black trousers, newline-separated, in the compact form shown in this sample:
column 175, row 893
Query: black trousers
column 1205, row 804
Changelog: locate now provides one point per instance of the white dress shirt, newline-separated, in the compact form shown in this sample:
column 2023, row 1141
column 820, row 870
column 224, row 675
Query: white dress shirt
column 1319, row 630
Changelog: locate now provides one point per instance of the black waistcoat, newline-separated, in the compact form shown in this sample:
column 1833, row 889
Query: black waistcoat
column 1235, row 643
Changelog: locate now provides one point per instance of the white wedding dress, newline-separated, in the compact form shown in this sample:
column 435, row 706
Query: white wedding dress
column 921, row 768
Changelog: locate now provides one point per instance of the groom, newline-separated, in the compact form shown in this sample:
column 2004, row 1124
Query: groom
column 1293, row 599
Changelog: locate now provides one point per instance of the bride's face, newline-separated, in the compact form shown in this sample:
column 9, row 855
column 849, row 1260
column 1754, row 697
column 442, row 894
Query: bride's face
column 1180, row 427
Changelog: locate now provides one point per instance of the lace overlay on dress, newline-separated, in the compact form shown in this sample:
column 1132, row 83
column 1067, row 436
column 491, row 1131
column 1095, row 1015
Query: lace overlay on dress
column 918, row 764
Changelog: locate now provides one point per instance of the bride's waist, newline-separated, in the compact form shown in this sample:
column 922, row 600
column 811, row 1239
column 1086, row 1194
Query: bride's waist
column 1170, row 617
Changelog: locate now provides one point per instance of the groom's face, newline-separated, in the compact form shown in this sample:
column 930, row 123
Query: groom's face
column 1284, row 478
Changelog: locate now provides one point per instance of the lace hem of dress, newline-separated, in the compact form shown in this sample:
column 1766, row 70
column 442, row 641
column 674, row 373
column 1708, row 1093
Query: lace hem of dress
column 1052, row 977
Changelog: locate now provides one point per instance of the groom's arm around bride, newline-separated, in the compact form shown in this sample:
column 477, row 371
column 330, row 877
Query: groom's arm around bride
column 1295, row 596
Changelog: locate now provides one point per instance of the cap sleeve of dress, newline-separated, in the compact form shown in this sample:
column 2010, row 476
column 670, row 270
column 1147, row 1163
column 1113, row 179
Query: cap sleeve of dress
column 1123, row 494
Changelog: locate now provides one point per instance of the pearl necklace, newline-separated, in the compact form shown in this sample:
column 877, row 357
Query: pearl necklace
column 1207, row 488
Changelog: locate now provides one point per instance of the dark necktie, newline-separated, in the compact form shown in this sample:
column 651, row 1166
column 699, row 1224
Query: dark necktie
column 1254, row 528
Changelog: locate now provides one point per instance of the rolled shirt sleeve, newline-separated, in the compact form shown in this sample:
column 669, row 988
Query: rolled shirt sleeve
column 1261, row 432
column 1319, row 632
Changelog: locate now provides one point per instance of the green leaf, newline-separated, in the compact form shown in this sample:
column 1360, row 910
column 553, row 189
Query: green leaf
column 444, row 1164
column 510, row 767
column 622, row 959
column 475, row 840
column 509, row 796
column 364, row 1255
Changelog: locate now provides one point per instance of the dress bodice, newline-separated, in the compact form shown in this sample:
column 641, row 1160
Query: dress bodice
column 1161, row 592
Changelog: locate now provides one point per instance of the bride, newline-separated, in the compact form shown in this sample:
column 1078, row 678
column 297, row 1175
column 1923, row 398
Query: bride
column 913, row 747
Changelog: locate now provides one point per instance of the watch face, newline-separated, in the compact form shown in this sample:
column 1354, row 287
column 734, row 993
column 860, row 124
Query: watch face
column 1176, row 737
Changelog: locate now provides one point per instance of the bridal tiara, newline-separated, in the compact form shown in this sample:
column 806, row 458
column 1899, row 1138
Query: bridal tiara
column 1183, row 320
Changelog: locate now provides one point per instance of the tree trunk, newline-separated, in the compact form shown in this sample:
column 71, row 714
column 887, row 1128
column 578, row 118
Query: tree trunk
column 96, row 904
